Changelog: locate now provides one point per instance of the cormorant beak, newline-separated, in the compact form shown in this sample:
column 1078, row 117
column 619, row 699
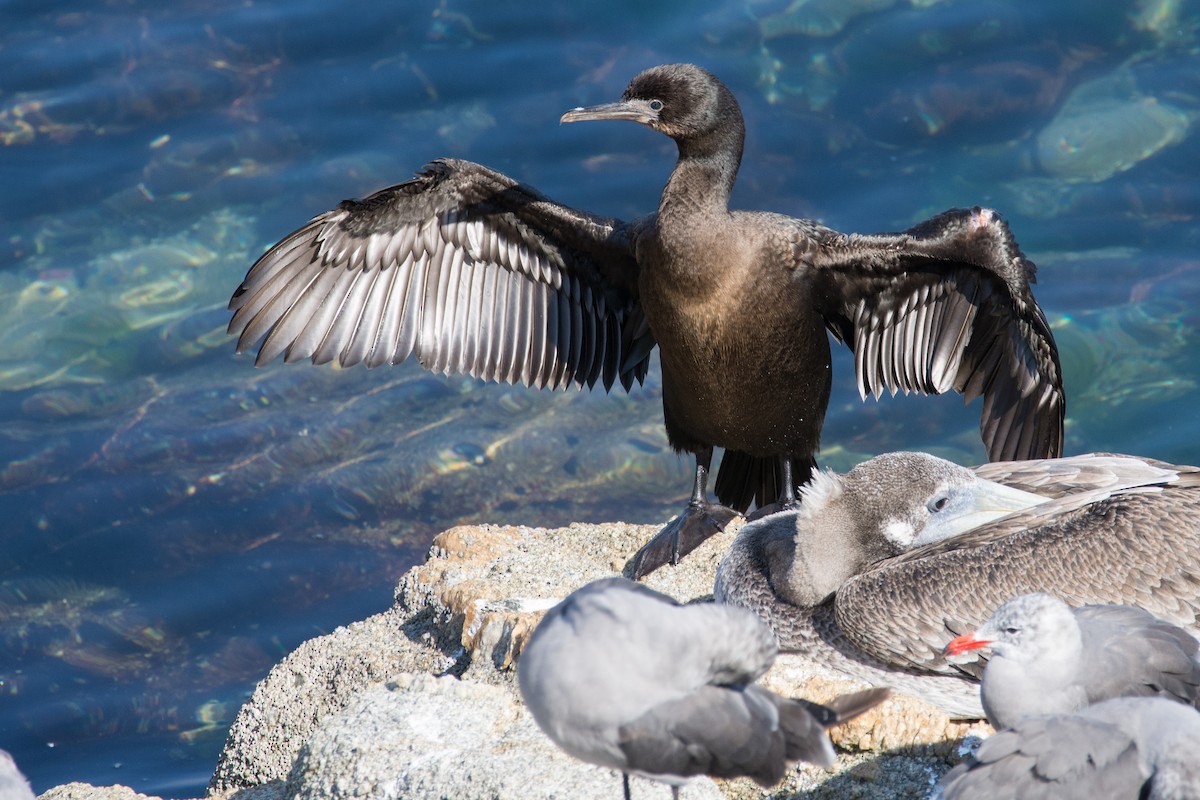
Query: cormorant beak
column 961, row 644
column 632, row 110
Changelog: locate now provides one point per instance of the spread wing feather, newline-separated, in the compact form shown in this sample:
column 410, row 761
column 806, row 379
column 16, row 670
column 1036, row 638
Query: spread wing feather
column 461, row 268
column 947, row 305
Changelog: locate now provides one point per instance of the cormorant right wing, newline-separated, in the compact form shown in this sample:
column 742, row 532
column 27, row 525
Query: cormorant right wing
column 462, row 267
column 946, row 305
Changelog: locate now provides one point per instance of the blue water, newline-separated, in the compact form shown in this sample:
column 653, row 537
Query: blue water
column 176, row 521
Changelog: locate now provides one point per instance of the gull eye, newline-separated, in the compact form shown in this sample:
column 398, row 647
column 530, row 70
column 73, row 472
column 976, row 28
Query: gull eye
column 656, row 105
column 1012, row 631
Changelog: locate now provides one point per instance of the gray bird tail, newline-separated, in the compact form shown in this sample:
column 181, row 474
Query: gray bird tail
column 848, row 706
column 807, row 742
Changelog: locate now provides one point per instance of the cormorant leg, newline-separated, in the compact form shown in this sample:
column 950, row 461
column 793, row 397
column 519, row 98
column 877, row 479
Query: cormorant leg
column 700, row 520
column 787, row 493
column 786, row 499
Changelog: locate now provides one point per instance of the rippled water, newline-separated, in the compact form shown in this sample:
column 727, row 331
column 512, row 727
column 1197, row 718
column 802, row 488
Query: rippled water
column 176, row 521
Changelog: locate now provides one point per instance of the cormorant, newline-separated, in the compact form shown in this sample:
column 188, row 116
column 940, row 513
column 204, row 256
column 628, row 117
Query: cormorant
column 472, row 272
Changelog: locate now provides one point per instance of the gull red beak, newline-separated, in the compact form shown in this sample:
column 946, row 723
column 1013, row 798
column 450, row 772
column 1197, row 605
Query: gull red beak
column 961, row 644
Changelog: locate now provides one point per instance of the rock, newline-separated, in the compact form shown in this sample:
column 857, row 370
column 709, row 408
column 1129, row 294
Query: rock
column 493, row 583
column 85, row 791
column 903, row 723
column 321, row 677
column 360, row 713
column 426, row 738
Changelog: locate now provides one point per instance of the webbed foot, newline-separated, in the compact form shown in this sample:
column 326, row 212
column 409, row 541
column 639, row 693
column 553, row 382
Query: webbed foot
column 680, row 536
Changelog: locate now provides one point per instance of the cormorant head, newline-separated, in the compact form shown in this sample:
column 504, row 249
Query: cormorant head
column 683, row 101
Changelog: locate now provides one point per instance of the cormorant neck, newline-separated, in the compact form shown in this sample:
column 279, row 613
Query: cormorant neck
column 708, row 163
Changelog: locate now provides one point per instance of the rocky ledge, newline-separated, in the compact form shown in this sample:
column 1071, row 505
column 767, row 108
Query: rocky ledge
column 421, row 702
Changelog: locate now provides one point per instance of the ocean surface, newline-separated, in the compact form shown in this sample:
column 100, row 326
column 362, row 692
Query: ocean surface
column 175, row 521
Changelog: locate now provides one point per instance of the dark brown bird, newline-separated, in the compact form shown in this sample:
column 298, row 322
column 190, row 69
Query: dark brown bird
column 836, row 581
column 472, row 272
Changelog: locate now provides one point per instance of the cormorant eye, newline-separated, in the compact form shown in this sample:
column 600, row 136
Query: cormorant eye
column 656, row 105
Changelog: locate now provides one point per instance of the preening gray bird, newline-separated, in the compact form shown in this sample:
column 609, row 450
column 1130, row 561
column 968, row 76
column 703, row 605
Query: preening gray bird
column 835, row 581
column 471, row 272
column 13, row 785
column 625, row 677
column 1049, row 658
column 1141, row 748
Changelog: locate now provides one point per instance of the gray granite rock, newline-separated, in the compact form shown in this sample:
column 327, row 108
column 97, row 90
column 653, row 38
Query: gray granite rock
column 319, row 678
column 360, row 713
column 427, row 738
column 85, row 791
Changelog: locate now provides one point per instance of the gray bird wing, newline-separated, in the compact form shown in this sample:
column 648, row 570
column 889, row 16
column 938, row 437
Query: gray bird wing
column 1168, row 738
column 946, row 305
column 1130, row 652
column 725, row 732
column 461, row 267
column 678, row 647
column 1140, row 547
column 1108, row 472
column 1057, row 757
